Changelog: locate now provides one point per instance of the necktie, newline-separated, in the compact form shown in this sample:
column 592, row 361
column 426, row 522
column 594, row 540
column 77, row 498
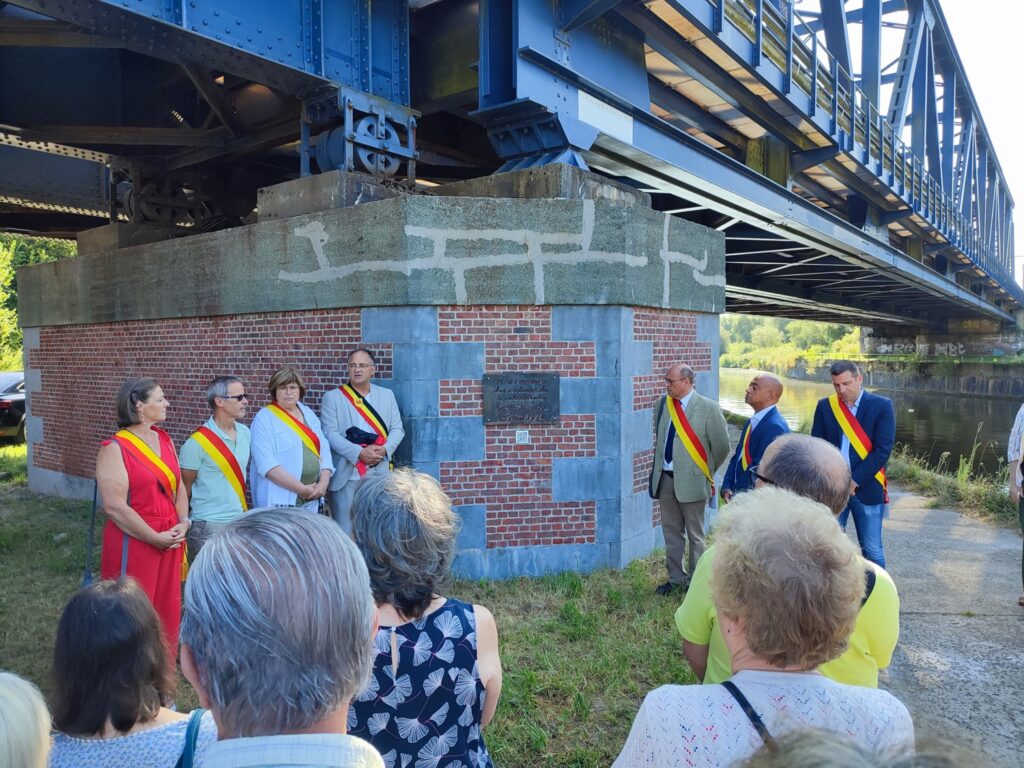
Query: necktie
column 670, row 440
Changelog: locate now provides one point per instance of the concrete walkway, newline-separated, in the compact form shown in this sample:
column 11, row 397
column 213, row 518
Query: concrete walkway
column 959, row 665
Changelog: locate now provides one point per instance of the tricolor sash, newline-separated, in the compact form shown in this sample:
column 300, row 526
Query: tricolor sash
column 856, row 435
column 225, row 460
column 304, row 433
column 745, row 458
column 370, row 416
column 690, row 440
column 137, row 447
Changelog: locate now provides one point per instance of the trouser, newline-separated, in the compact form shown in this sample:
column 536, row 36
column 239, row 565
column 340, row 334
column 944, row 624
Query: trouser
column 340, row 502
column 680, row 521
column 1020, row 514
column 198, row 534
column 867, row 519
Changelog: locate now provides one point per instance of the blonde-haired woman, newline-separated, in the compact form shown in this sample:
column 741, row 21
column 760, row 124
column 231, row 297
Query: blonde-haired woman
column 787, row 584
column 291, row 458
column 24, row 724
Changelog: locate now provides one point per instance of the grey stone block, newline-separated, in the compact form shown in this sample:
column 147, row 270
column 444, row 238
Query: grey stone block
column 395, row 324
column 473, row 533
column 322, row 192
column 579, row 395
column 416, row 397
column 437, row 361
column 549, row 181
column 590, row 323
column 584, row 479
column 446, row 439
column 510, row 562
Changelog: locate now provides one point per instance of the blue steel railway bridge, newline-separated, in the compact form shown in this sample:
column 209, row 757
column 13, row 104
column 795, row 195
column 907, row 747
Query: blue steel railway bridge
column 849, row 183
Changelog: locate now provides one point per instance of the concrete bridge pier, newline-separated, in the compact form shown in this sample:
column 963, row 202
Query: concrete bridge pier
column 551, row 271
column 976, row 337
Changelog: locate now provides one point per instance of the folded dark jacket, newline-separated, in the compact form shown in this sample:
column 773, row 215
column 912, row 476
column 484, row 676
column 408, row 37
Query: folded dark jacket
column 360, row 436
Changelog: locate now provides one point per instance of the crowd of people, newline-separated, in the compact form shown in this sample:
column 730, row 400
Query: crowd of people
column 316, row 628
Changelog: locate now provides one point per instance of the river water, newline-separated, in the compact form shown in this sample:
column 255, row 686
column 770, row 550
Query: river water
column 929, row 424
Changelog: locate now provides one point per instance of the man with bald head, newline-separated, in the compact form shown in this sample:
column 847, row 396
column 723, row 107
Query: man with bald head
column 761, row 429
column 691, row 443
column 816, row 469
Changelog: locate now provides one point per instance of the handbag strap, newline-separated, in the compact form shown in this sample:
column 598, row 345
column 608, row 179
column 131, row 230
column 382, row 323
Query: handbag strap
column 188, row 752
column 752, row 716
column 90, row 541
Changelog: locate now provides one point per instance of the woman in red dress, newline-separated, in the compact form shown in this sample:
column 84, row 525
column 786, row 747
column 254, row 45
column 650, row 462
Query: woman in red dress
column 145, row 502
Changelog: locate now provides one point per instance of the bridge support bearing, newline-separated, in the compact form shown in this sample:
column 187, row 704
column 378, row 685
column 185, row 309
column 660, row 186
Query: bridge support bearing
column 596, row 288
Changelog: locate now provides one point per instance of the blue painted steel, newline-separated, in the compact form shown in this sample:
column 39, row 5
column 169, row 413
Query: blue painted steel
column 298, row 45
column 576, row 13
column 871, row 52
column 833, row 16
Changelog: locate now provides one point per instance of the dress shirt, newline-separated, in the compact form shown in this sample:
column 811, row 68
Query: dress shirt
column 670, row 433
column 844, row 445
column 321, row 750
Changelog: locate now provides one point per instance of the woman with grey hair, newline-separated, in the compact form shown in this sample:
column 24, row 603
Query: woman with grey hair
column 436, row 672
column 787, row 584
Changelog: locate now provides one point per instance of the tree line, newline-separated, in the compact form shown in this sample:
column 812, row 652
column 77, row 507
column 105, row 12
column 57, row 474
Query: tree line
column 19, row 251
column 776, row 344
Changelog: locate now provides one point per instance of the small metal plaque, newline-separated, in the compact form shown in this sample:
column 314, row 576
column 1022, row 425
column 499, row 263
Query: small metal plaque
column 521, row 398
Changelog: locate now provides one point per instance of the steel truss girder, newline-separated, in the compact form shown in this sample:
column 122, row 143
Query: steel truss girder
column 49, row 181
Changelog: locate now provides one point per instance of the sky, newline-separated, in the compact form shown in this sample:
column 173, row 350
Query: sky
column 987, row 36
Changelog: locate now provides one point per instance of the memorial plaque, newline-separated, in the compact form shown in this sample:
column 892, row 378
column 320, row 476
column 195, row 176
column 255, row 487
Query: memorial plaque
column 521, row 398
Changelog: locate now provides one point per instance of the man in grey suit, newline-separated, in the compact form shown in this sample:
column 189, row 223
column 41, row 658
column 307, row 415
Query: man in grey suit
column 363, row 426
column 684, row 466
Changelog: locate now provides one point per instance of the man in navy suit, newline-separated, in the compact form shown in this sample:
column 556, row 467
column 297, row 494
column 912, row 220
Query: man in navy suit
column 765, row 425
column 863, row 427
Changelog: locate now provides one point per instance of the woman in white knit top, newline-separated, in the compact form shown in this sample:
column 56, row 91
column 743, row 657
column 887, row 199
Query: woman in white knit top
column 787, row 584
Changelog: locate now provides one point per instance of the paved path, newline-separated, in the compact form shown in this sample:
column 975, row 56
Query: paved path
column 959, row 665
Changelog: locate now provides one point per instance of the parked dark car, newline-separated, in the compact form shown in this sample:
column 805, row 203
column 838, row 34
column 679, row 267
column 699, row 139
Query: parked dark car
column 12, row 405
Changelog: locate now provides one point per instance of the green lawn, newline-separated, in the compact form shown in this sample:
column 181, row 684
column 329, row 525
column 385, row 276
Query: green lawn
column 579, row 651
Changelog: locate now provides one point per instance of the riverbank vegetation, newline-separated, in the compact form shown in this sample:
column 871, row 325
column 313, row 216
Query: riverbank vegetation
column 968, row 486
column 580, row 651
column 775, row 344
column 18, row 251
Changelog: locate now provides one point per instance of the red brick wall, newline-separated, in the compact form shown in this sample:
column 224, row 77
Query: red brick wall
column 83, row 366
column 514, row 481
column 517, row 338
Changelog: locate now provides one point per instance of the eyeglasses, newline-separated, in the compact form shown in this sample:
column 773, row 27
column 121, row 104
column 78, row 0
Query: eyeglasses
column 754, row 473
column 671, row 381
column 239, row 398
column 360, row 365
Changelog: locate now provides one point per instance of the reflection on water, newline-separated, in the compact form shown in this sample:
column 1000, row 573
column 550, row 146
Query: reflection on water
column 929, row 424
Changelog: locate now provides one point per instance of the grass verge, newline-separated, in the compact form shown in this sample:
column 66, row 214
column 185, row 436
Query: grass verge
column 579, row 651
column 979, row 494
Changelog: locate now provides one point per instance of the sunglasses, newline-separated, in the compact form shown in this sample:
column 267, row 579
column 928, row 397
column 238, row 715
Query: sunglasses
column 239, row 398
column 757, row 476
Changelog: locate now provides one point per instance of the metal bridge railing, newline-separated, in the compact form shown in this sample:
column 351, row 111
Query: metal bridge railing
column 855, row 124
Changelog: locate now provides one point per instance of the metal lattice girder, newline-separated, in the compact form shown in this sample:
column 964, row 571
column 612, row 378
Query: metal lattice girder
column 56, row 182
column 297, row 46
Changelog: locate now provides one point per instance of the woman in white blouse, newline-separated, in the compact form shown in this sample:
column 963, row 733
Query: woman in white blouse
column 291, row 458
column 788, row 585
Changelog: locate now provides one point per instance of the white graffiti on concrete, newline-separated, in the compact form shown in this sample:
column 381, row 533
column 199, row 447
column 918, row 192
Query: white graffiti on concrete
column 535, row 255
column 948, row 348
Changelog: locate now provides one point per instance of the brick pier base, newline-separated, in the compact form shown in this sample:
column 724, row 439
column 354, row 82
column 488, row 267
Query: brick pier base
column 602, row 291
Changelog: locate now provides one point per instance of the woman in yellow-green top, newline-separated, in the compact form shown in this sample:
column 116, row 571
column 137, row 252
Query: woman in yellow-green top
column 813, row 468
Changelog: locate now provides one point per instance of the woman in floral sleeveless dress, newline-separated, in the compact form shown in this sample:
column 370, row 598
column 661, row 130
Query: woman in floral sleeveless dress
column 437, row 673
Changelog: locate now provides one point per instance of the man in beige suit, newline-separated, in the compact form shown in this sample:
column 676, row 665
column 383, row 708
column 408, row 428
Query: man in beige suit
column 684, row 465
